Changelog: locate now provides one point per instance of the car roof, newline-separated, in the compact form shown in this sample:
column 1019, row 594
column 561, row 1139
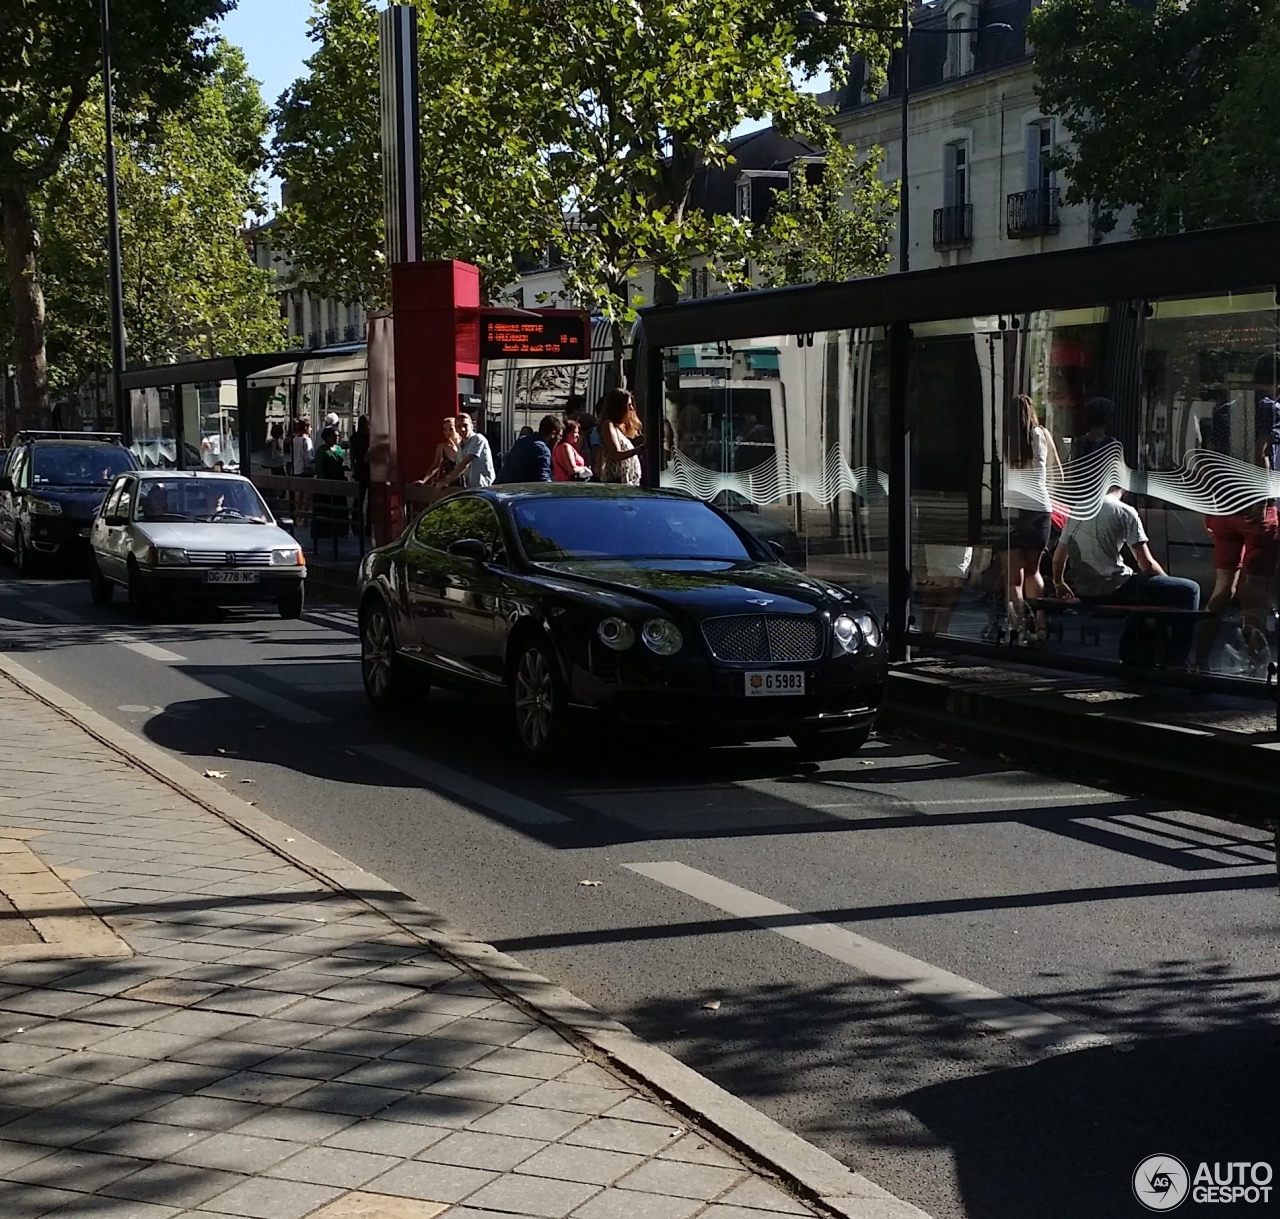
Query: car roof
column 172, row 474
column 514, row 492
column 72, row 442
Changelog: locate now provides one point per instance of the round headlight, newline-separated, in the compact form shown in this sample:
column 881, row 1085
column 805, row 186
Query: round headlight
column 845, row 631
column 869, row 627
column 616, row 634
column 662, row 636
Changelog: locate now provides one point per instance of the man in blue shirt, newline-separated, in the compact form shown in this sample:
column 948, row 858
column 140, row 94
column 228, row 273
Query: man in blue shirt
column 529, row 460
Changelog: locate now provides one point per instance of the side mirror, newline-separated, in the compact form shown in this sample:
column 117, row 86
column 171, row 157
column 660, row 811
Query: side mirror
column 469, row 548
column 779, row 552
column 285, row 522
column 6, row 483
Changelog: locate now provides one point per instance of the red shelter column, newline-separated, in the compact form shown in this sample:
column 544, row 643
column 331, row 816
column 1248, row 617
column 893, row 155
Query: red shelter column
column 430, row 339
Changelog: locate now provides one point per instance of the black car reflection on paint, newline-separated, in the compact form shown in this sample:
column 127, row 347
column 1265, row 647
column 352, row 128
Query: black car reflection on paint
column 650, row 606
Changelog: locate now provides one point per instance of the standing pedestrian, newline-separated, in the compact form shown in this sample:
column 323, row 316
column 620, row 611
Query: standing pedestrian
column 331, row 510
column 358, row 451
column 304, row 450
column 567, row 462
column 446, row 460
column 619, row 425
column 1029, row 452
column 475, row 458
column 275, row 449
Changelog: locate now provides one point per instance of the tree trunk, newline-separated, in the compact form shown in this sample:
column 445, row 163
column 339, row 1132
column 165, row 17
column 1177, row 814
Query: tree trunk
column 21, row 244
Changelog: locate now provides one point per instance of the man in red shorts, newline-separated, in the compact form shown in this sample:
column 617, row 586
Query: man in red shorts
column 1246, row 545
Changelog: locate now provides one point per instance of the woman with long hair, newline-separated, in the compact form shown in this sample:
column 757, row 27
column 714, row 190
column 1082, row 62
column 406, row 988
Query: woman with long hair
column 446, row 453
column 619, row 426
column 1029, row 455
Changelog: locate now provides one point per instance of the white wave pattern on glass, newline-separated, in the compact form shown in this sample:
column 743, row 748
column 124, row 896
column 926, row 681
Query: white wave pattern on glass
column 774, row 478
column 1207, row 482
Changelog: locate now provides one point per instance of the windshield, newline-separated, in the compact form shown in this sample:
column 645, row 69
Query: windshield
column 200, row 499
column 624, row 528
column 80, row 465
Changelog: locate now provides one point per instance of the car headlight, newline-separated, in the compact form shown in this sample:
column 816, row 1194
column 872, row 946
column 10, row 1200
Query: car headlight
column 43, row 507
column 171, row 556
column 844, row 631
column 869, row 627
column 616, row 634
column 662, row 636
column 287, row 557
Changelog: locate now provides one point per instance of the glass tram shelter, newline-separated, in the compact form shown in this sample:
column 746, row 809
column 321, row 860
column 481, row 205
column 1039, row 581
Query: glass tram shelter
column 870, row 427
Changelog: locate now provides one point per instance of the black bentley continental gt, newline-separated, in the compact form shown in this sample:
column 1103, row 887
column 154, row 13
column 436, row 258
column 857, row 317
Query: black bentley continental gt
column 649, row 606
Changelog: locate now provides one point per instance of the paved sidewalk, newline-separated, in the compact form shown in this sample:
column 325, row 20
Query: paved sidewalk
column 274, row 1049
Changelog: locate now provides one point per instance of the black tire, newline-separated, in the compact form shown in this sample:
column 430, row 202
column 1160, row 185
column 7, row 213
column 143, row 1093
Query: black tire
column 381, row 668
column 539, row 706
column 290, row 604
column 141, row 602
column 827, row 746
column 23, row 559
column 100, row 588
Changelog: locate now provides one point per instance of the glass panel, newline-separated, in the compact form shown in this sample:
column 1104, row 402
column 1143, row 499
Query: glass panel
column 785, row 433
column 1207, row 447
column 155, row 436
column 267, row 418
column 210, row 426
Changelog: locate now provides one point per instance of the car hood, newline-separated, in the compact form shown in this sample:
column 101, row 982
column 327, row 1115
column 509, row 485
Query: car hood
column 211, row 535
column 709, row 588
column 78, row 503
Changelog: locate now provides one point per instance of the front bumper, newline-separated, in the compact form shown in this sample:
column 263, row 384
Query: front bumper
column 192, row 584
column 695, row 694
column 58, row 536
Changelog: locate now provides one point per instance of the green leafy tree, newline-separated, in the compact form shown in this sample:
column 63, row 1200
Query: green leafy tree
column 51, row 61
column 1168, row 107
column 831, row 223
column 187, row 180
column 630, row 101
column 479, row 170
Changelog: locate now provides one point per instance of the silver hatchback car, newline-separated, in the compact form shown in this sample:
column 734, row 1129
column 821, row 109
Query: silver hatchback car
column 197, row 535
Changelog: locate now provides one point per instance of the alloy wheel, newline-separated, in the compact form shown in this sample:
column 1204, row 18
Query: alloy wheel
column 377, row 654
column 534, row 700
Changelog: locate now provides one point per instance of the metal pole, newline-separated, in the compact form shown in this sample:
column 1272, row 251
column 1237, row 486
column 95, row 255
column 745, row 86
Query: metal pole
column 904, row 218
column 899, row 492
column 116, row 286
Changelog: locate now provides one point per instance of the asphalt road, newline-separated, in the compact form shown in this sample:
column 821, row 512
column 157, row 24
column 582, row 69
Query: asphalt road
column 991, row 991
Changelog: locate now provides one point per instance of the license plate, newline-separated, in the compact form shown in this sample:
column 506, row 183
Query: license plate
column 771, row 683
column 231, row 577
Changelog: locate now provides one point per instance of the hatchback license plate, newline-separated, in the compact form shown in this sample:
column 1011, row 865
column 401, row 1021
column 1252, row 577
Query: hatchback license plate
column 231, row 577
column 770, row 683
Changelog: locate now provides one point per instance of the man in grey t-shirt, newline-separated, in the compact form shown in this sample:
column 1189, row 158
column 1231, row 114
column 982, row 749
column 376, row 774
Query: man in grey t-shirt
column 475, row 458
column 1094, row 548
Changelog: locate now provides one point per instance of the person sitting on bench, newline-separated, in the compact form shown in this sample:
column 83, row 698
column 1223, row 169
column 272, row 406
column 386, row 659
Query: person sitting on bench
column 1094, row 547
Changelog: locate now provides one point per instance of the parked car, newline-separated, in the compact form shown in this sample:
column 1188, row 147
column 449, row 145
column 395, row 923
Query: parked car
column 650, row 606
column 51, row 485
column 193, row 535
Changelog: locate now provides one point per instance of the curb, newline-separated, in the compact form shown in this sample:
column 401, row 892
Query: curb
column 1235, row 781
column 813, row 1175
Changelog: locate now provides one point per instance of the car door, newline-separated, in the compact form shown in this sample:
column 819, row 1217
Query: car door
column 8, row 502
column 454, row 600
column 109, row 533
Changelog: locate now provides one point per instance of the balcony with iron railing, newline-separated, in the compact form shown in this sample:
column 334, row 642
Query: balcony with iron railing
column 953, row 227
column 1034, row 213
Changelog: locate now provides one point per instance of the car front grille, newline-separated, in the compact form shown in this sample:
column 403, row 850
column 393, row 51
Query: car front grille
column 230, row 558
column 764, row 638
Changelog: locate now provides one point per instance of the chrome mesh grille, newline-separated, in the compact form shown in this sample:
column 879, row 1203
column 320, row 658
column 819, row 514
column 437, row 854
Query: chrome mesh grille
column 230, row 558
column 764, row 638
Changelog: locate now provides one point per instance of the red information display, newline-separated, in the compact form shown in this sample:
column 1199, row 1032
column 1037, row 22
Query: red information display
column 557, row 336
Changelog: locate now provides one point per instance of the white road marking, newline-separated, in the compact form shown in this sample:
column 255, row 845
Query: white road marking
column 150, row 650
column 282, row 707
column 475, row 791
column 56, row 612
column 969, row 999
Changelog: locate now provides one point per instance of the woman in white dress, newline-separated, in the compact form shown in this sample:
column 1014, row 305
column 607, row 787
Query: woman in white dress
column 619, row 426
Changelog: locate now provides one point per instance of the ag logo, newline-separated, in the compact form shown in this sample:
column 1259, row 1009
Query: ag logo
column 1161, row 1182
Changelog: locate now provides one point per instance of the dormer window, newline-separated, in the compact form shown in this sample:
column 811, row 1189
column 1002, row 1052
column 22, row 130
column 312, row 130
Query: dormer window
column 743, row 208
column 959, row 44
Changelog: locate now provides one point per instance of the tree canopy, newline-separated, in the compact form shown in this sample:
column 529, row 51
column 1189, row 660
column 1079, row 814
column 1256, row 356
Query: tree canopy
column 51, row 61
column 1168, row 107
column 187, row 179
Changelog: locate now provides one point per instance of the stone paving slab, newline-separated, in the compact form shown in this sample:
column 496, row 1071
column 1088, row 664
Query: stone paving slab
column 273, row 1049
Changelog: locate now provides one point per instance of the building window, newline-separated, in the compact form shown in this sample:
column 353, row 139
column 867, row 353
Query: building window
column 744, row 200
column 955, row 182
column 953, row 221
column 959, row 48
